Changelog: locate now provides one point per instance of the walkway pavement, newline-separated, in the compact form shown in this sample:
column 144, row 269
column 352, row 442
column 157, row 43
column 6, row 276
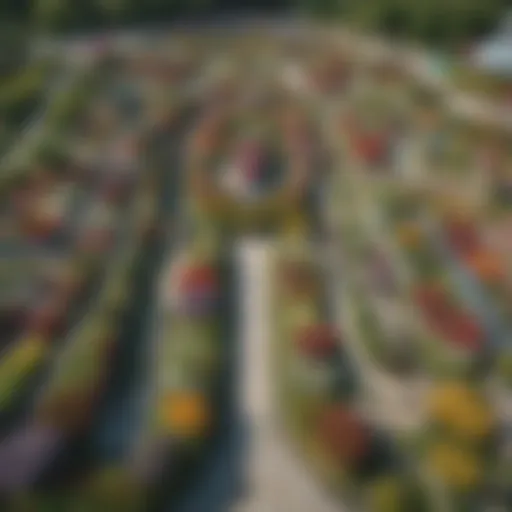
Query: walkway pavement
column 277, row 478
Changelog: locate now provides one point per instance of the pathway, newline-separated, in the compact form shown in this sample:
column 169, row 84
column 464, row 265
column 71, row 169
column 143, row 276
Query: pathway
column 277, row 479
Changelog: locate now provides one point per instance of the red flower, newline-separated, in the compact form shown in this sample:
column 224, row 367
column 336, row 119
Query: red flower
column 317, row 341
column 464, row 331
column 447, row 319
column 344, row 434
column 370, row 148
column 462, row 236
column 432, row 298
column 199, row 278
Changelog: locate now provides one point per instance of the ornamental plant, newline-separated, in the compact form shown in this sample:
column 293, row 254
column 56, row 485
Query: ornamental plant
column 487, row 265
column 462, row 411
column 458, row 468
column 317, row 341
column 344, row 435
column 186, row 415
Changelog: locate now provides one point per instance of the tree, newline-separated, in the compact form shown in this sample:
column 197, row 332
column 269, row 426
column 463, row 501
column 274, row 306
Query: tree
column 113, row 10
column 53, row 15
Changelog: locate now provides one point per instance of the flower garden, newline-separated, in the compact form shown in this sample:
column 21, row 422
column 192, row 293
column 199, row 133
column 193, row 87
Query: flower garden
column 388, row 219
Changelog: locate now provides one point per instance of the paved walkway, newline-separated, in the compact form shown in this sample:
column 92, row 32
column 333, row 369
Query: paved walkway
column 277, row 480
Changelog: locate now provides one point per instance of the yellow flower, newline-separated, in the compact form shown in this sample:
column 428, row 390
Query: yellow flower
column 444, row 398
column 473, row 420
column 462, row 410
column 185, row 415
column 387, row 495
column 456, row 467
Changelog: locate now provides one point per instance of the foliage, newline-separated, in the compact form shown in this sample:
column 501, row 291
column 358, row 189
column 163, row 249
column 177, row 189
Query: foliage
column 439, row 23
column 20, row 92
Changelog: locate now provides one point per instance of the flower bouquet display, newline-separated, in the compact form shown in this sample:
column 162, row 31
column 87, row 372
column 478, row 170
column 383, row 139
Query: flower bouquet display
column 212, row 134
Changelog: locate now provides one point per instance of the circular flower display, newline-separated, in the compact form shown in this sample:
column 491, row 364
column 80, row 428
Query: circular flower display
column 212, row 135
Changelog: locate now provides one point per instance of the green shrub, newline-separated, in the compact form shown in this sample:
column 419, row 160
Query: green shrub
column 20, row 93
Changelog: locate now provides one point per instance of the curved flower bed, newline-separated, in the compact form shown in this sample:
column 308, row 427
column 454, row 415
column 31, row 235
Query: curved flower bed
column 66, row 405
column 21, row 95
column 61, row 206
column 463, row 440
column 212, row 134
column 464, row 237
column 318, row 391
column 59, row 116
column 183, row 403
column 457, row 339
column 462, row 445
column 69, row 229
column 188, row 360
column 44, row 327
column 109, row 423
column 59, row 288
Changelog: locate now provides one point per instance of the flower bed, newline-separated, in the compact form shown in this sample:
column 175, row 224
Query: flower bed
column 457, row 338
column 318, row 391
column 22, row 94
column 482, row 259
column 44, row 210
column 227, row 208
column 185, row 384
column 66, row 405
column 461, row 447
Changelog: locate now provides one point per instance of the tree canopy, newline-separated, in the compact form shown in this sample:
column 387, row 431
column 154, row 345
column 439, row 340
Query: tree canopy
column 437, row 22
